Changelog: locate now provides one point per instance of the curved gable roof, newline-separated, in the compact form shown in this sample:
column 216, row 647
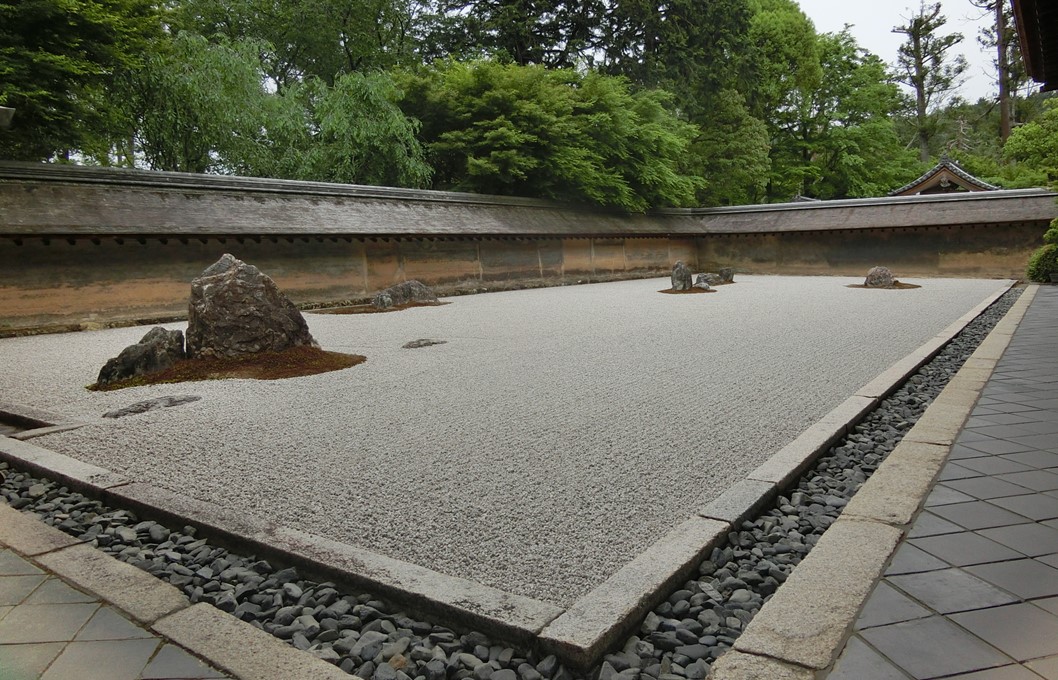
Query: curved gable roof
column 943, row 174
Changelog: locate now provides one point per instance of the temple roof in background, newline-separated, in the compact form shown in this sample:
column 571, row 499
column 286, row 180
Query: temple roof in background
column 943, row 178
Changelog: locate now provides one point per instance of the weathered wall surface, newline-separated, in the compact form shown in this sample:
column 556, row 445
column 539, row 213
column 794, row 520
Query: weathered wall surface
column 81, row 247
column 973, row 250
column 81, row 282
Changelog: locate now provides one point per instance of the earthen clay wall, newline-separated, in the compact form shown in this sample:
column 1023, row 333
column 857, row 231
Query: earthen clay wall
column 91, row 247
column 970, row 250
column 60, row 283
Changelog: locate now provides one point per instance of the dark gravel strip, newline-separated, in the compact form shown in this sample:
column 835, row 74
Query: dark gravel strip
column 369, row 637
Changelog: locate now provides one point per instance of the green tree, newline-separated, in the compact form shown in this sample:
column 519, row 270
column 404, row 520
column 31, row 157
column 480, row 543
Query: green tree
column 201, row 106
column 692, row 49
column 359, row 135
column 553, row 33
column 924, row 64
column 847, row 126
column 781, row 66
column 731, row 152
column 196, row 106
column 299, row 39
column 782, row 60
column 1011, row 76
column 57, row 58
column 557, row 134
column 1035, row 144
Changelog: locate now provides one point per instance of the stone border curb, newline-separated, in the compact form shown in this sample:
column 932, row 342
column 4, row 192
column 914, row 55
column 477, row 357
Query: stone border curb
column 601, row 618
column 38, row 421
column 578, row 634
column 802, row 629
column 83, row 477
column 238, row 648
column 432, row 594
column 217, row 638
column 421, row 590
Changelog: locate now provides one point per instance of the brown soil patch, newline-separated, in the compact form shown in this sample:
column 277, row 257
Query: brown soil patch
column 290, row 363
column 371, row 309
column 896, row 286
column 689, row 291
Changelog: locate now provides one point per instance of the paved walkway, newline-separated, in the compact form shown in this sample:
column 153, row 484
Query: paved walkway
column 972, row 592
column 53, row 631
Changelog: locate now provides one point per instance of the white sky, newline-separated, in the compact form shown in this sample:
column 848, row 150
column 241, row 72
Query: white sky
column 872, row 23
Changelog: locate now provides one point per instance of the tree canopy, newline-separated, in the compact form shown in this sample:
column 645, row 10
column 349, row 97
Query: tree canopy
column 57, row 60
column 625, row 104
column 557, row 134
column 924, row 64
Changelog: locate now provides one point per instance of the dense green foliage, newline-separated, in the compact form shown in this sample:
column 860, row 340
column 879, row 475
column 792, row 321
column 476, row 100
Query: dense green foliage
column 1051, row 235
column 307, row 38
column 557, row 134
column 57, row 59
column 1043, row 263
column 1036, row 143
column 202, row 106
column 627, row 104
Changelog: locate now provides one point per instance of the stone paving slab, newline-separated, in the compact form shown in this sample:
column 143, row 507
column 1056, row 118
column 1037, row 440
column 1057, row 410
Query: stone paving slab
column 54, row 631
column 70, row 612
column 241, row 649
column 979, row 602
column 789, row 630
column 134, row 591
column 810, row 614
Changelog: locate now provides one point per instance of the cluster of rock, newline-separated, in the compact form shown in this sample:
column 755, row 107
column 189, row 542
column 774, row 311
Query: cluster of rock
column 681, row 638
column 235, row 310
column 681, row 278
column 406, row 292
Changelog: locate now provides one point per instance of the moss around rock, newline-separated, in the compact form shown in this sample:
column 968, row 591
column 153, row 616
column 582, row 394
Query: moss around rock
column 291, row 363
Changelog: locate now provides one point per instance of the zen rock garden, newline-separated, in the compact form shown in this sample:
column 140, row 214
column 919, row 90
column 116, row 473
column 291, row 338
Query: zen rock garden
column 882, row 277
column 405, row 294
column 681, row 279
column 236, row 314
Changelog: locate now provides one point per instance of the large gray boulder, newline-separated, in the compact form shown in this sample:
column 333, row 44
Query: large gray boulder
column 702, row 282
column 879, row 277
column 404, row 293
column 681, row 276
column 727, row 275
column 236, row 310
column 156, row 351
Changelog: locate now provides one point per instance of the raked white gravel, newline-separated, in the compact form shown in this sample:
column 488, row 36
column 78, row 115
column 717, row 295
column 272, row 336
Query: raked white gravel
column 556, row 435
